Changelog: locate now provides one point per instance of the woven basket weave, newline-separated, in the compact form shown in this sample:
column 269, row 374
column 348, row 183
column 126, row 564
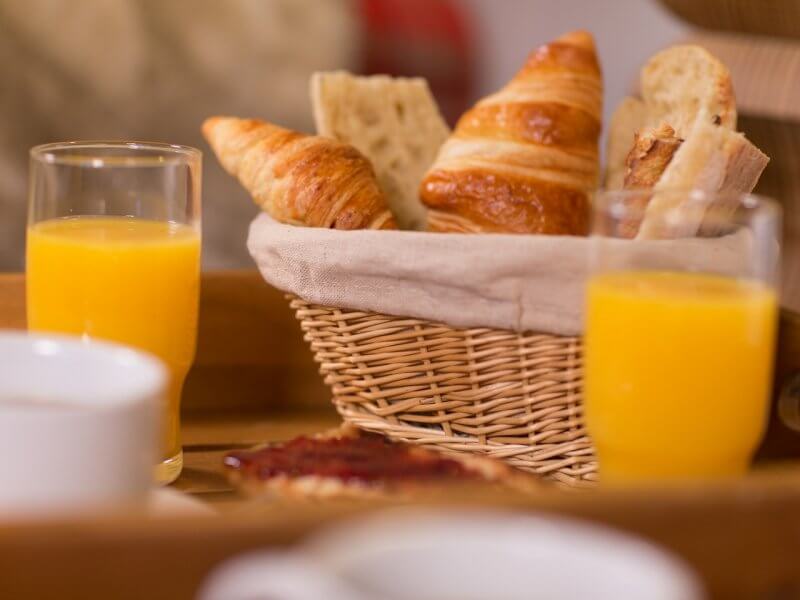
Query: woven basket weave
column 512, row 396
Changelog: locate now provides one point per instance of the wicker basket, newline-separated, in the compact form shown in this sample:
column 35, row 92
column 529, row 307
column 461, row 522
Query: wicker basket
column 513, row 396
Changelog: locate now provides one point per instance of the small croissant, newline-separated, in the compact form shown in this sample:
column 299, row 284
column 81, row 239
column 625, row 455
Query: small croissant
column 300, row 179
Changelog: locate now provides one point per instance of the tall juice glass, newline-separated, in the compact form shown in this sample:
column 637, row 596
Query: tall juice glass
column 680, row 333
column 113, row 252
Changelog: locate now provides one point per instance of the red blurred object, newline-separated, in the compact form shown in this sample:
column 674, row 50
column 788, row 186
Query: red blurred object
column 422, row 38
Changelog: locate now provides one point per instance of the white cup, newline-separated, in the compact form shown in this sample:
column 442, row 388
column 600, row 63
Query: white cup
column 78, row 425
column 464, row 555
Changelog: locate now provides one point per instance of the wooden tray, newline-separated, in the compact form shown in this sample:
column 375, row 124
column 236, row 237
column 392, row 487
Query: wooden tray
column 254, row 380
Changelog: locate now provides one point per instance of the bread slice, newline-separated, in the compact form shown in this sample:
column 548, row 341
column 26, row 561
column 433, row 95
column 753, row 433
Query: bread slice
column 629, row 117
column 652, row 152
column 313, row 468
column 711, row 159
column 680, row 86
column 394, row 122
column 685, row 84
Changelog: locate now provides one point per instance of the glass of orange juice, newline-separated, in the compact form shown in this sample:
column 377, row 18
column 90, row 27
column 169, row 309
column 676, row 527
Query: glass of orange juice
column 113, row 252
column 681, row 311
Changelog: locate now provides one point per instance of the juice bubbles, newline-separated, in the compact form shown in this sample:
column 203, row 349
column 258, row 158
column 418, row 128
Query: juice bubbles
column 124, row 279
column 678, row 373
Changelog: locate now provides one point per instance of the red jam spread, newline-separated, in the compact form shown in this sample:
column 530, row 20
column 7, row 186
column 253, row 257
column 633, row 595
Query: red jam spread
column 367, row 458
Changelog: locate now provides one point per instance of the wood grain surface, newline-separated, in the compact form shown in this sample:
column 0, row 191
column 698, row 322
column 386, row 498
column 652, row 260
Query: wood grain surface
column 761, row 17
column 254, row 381
column 250, row 352
column 741, row 537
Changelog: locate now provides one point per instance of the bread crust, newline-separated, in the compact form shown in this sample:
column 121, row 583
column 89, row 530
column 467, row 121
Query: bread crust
column 628, row 118
column 648, row 159
column 651, row 154
column 393, row 121
column 680, row 86
column 712, row 159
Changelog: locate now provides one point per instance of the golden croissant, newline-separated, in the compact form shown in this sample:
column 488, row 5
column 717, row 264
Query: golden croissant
column 524, row 159
column 300, row 179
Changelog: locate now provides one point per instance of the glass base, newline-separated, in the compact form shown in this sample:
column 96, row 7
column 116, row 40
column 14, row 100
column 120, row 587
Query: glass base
column 169, row 469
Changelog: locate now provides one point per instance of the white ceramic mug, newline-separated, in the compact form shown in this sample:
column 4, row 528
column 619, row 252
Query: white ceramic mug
column 78, row 425
column 465, row 556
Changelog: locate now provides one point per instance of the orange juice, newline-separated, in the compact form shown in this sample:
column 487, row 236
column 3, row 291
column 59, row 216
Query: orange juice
column 124, row 279
column 678, row 373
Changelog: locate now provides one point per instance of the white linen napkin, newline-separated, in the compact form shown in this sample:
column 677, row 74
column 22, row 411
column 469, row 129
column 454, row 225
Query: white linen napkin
column 515, row 282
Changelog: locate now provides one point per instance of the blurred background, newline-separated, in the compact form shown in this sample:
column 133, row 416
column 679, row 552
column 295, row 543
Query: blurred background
column 154, row 70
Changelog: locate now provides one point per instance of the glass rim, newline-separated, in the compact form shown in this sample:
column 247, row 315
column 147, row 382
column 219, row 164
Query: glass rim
column 612, row 202
column 141, row 153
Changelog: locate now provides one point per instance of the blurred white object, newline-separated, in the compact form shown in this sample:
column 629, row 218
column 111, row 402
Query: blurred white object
column 78, row 425
column 411, row 554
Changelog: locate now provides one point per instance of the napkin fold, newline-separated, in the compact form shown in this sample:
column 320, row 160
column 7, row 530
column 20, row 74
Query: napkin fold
column 502, row 281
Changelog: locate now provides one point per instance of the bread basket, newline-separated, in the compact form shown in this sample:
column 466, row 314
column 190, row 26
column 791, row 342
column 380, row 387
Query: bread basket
column 513, row 396
column 455, row 342
column 503, row 375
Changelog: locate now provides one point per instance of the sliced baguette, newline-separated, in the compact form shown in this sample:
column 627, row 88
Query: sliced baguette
column 653, row 150
column 685, row 84
column 629, row 117
column 711, row 159
column 680, row 86
column 394, row 122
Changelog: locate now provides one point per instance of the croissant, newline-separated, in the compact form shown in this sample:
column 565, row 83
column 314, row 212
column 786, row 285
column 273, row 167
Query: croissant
column 300, row 179
column 524, row 159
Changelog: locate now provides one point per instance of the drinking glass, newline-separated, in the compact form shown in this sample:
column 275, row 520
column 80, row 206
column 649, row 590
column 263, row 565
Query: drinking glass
column 113, row 252
column 680, row 332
